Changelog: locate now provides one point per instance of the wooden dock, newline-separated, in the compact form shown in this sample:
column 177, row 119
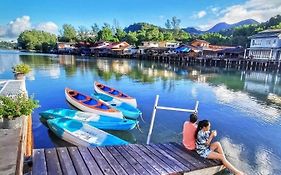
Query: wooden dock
column 165, row 158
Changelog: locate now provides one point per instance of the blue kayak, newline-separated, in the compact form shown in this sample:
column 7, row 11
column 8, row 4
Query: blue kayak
column 95, row 120
column 81, row 134
column 127, row 110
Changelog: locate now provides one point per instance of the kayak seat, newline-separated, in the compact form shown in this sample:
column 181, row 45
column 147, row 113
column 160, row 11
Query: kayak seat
column 102, row 106
column 91, row 102
column 79, row 97
column 115, row 92
column 107, row 89
column 122, row 95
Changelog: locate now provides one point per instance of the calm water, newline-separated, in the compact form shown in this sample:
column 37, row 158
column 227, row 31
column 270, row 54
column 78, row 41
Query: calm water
column 236, row 102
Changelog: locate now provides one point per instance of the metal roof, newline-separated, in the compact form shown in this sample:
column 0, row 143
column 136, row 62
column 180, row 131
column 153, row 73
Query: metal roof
column 267, row 34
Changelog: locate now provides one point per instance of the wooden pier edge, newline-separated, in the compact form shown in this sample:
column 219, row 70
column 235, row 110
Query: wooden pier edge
column 206, row 171
column 159, row 158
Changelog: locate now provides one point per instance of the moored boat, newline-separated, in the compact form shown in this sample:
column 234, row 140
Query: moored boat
column 81, row 134
column 95, row 120
column 90, row 104
column 128, row 110
column 103, row 89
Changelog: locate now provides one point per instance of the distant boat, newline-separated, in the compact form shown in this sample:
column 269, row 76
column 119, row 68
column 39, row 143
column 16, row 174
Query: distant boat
column 128, row 110
column 103, row 89
column 81, row 134
column 95, row 120
column 90, row 104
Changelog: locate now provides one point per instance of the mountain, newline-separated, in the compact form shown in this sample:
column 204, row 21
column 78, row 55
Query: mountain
column 193, row 30
column 137, row 26
column 224, row 26
column 220, row 27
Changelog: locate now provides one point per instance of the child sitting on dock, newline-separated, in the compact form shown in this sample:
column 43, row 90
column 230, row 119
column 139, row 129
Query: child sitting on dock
column 189, row 129
column 209, row 150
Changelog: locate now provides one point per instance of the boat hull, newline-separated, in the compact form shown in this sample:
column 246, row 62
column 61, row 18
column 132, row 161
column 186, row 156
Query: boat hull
column 86, row 108
column 95, row 120
column 128, row 99
column 127, row 110
column 81, row 134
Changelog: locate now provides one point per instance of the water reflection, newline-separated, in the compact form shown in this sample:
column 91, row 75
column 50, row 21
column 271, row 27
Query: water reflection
column 264, row 160
column 235, row 101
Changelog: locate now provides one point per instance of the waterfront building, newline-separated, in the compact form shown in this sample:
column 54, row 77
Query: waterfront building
column 66, row 47
column 266, row 45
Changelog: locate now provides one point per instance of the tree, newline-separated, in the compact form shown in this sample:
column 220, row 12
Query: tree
column 68, row 33
column 83, row 34
column 168, row 24
column 95, row 28
column 120, row 34
column 131, row 38
column 105, row 34
column 183, row 36
column 175, row 23
column 168, row 36
column 37, row 40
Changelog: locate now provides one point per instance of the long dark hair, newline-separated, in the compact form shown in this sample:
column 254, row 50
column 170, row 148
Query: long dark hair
column 201, row 124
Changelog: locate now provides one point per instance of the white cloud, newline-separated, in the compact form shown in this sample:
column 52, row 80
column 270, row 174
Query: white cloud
column 201, row 14
column 50, row 27
column 15, row 27
column 259, row 10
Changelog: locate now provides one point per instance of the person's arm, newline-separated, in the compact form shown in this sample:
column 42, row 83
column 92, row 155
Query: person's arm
column 213, row 134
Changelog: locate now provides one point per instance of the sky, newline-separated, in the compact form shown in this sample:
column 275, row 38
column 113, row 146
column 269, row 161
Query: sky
column 49, row 15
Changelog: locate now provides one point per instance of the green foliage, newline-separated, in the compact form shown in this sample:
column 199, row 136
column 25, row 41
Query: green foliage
column 131, row 38
column 21, row 68
column 16, row 106
column 106, row 34
column 7, row 45
column 276, row 26
column 37, row 40
column 214, row 38
column 68, row 33
column 120, row 34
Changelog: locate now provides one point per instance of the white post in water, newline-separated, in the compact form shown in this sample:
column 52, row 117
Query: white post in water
column 195, row 110
column 152, row 119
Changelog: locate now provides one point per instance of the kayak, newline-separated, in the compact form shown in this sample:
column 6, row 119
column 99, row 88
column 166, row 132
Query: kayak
column 90, row 104
column 95, row 120
column 81, row 134
column 103, row 89
column 128, row 110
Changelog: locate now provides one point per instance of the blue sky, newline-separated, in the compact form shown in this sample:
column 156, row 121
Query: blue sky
column 49, row 15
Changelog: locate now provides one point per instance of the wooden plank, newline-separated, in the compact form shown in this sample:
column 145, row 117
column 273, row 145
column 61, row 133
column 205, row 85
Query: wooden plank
column 174, row 159
column 90, row 161
column 184, row 154
column 141, row 160
column 112, row 162
column 198, row 157
column 65, row 161
column 130, row 159
column 189, row 166
column 53, row 164
column 78, row 162
column 155, row 158
column 153, row 163
column 123, row 162
column 39, row 163
column 103, row 164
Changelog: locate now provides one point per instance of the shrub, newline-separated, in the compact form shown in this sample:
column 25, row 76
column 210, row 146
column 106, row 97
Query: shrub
column 21, row 68
column 16, row 106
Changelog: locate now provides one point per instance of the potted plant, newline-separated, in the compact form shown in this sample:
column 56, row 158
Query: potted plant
column 21, row 70
column 14, row 108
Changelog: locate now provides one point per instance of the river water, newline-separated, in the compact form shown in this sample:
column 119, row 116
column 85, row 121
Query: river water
column 237, row 102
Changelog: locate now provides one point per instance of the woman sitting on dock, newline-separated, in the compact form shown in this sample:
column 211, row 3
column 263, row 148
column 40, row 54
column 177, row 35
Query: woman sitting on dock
column 209, row 150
